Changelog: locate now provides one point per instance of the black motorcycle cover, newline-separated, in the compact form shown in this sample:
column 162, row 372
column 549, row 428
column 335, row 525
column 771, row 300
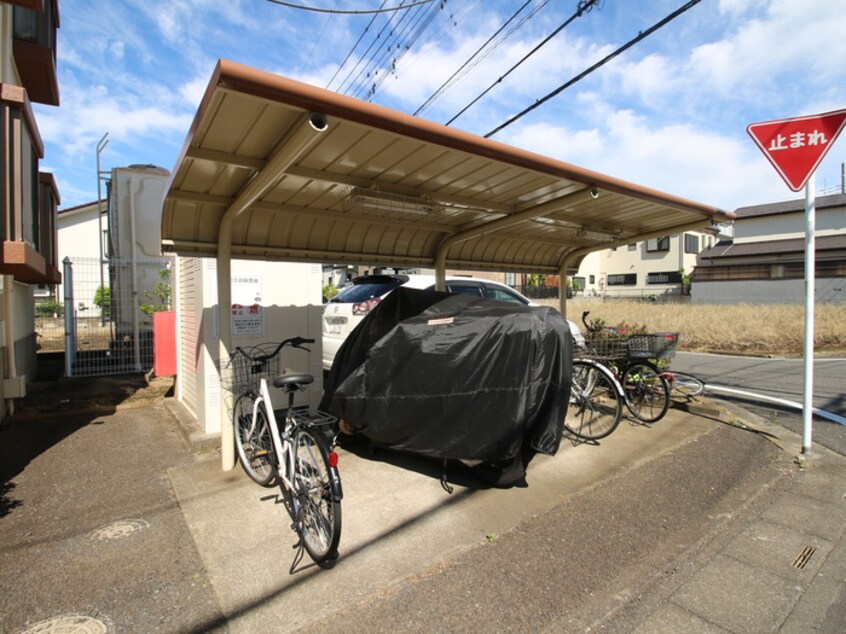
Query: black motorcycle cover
column 454, row 376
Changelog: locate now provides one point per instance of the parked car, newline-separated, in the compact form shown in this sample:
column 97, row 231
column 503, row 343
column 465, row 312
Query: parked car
column 342, row 313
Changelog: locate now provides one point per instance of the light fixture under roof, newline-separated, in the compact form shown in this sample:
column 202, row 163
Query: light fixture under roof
column 390, row 205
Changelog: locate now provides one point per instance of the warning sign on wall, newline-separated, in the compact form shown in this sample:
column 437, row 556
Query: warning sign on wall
column 247, row 318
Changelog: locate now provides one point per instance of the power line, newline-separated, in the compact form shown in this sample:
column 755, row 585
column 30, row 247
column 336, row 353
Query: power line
column 424, row 23
column 360, row 85
column 363, row 58
column 584, row 6
column 291, row 5
column 641, row 36
column 470, row 59
column 352, row 50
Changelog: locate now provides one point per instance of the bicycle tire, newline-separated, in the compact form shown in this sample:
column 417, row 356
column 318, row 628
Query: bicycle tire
column 647, row 392
column 595, row 406
column 685, row 384
column 253, row 442
column 318, row 506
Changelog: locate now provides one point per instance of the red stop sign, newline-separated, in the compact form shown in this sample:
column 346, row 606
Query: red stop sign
column 796, row 146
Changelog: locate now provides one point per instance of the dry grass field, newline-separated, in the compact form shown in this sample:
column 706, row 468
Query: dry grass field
column 743, row 329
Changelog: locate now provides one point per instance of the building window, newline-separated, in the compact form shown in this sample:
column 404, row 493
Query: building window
column 691, row 243
column 623, row 279
column 658, row 244
column 632, row 247
column 667, row 277
column 593, row 279
column 777, row 271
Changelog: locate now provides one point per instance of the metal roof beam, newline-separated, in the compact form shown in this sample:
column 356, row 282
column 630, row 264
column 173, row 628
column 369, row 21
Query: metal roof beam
column 526, row 215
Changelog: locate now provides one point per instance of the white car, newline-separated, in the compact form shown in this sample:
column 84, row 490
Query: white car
column 342, row 313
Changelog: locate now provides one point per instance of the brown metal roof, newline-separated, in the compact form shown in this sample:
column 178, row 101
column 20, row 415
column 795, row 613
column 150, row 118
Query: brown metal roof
column 303, row 174
column 722, row 254
column 790, row 206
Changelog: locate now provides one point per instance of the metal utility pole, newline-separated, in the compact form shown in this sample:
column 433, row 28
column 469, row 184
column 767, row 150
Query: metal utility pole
column 104, row 141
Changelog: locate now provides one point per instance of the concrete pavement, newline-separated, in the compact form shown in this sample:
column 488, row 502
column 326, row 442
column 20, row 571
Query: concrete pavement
column 111, row 518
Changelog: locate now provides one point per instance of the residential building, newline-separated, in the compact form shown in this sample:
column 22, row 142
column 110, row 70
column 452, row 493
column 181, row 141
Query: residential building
column 765, row 263
column 30, row 198
column 81, row 233
column 656, row 269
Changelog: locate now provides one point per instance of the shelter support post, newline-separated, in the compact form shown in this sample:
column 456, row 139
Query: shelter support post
column 303, row 134
column 224, row 301
column 562, row 289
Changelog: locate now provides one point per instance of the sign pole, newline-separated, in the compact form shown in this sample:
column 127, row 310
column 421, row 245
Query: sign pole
column 795, row 147
column 810, row 284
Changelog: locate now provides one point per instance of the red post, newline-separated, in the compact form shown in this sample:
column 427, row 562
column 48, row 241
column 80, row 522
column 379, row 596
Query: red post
column 164, row 343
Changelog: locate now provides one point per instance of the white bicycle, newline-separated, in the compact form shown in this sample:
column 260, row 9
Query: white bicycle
column 299, row 456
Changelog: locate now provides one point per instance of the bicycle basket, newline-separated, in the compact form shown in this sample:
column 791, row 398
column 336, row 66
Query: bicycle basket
column 659, row 345
column 607, row 343
column 246, row 368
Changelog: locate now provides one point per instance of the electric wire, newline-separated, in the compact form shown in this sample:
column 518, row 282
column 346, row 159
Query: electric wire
column 320, row 35
column 464, row 9
column 443, row 86
column 584, row 6
column 364, row 58
column 355, row 46
column 361, row 84
column 424, row 23
column 381, row 9
column 641, row 36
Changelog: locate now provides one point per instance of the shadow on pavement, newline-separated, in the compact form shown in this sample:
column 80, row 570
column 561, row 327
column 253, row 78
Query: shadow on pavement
column 55, row 409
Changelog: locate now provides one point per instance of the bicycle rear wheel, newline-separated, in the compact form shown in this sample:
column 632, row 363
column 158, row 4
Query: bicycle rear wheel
column 647, row 392
column 253, row 442
column 595, row 406
column 317, row 492
column 685, row 384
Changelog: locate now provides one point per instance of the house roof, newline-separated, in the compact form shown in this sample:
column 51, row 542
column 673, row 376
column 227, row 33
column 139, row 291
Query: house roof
column 789, row 206
column 725, row 252
column 303, row 174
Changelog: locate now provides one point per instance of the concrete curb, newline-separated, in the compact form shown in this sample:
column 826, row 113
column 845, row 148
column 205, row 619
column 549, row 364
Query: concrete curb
column 198, row 441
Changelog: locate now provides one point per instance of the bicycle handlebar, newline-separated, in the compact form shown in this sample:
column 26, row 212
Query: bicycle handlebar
column 294, row 342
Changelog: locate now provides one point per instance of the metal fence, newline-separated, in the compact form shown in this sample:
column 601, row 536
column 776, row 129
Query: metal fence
column 97, row 321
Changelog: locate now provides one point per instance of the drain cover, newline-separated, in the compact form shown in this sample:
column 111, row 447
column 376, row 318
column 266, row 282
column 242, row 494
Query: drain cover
column 804, row 557
column 121, row 528
column 69, row 624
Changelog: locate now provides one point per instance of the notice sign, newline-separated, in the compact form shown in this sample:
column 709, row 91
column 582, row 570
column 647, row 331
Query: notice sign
column 247, row 318
column 795, row 147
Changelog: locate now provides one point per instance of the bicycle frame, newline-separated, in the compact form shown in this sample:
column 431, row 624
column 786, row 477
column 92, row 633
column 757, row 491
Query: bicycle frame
column 281, row 441
column 612, row 374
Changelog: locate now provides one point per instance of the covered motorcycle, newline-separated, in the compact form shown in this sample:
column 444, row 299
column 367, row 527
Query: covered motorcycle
column 455, row 377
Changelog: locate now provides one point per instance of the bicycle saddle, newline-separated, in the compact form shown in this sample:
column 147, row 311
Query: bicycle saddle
column 292, row 380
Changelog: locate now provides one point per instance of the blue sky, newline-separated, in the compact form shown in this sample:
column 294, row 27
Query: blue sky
column 669, row 113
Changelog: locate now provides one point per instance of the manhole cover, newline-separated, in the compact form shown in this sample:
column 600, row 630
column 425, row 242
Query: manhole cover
column 69, row 624
column 121, row 528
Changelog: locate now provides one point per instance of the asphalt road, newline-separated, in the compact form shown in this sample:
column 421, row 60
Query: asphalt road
column 782, row 379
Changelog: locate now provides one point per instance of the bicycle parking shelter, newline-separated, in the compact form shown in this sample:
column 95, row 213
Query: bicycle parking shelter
column 274, row 169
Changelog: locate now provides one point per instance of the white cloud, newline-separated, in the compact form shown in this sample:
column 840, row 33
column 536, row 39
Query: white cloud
column 192, row 91
column 669, row 113
column 708, row 167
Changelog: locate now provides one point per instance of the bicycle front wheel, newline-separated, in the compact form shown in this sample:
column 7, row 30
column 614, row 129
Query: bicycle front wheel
column 317, row 491
column 647, row 392
column 253, row 442
column 595, row 406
